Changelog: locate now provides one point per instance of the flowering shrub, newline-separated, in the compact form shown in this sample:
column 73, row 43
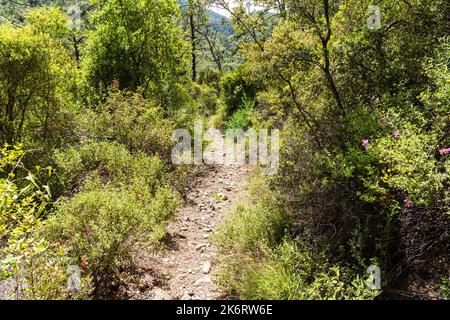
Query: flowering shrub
column 407, row 165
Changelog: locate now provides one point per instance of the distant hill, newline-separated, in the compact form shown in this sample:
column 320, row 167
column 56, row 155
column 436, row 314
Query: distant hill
column 220, row 23
column 216, row 17
column 216, row 20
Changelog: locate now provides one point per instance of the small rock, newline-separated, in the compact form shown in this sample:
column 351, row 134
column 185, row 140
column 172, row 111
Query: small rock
column 206, row 267
column 202, row 281
column 160, row 294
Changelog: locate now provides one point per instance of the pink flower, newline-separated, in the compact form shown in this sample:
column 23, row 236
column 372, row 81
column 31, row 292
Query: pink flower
column 365, row 143
column 88, row 230
column 396, row 134
column 408, row 203
column 444, row 151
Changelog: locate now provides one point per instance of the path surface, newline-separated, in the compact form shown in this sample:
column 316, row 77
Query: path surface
column 185, row 268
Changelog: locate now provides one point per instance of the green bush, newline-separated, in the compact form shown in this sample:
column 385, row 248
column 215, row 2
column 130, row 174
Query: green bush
column 210, row 77
column 206, row 98
column 123, row 200
column 235, row 89
column 104, row 227
column 290, row 271
column 403, row 161
column 407, row 163
column 241, row 118
column 112, row 162
column 249, row 227
column 35, row 267
column 130, row 119
column 445, row 288
column 118, row 202
column 260, row 262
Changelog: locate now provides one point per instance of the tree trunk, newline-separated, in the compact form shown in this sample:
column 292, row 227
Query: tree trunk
column 193, row 47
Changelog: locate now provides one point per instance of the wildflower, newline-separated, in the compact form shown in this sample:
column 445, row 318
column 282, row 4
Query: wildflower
column 396, row 134
column 88, row 230
column 365, row 143
column 444, row 151
column 408, row 203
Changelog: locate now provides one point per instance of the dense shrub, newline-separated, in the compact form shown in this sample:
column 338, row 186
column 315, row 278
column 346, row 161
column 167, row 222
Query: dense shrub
column 406, row 162
column 365, row 133
column 210, row 77
column 235, row 89
column 104, row 226
column 241, row 118
column 110, row 161
column 290, row 272
column 206, row 97
column 131, row 120
column 32, row 267
column 350, row 202
column 260, row 262
column 122, row 201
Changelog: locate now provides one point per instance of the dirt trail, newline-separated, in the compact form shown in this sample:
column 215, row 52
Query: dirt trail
column 184, row 270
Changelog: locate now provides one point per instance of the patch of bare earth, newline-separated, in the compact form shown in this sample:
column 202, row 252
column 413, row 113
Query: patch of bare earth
column 185, row 268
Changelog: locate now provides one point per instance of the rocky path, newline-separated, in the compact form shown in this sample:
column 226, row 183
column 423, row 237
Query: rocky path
column 184, row 269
